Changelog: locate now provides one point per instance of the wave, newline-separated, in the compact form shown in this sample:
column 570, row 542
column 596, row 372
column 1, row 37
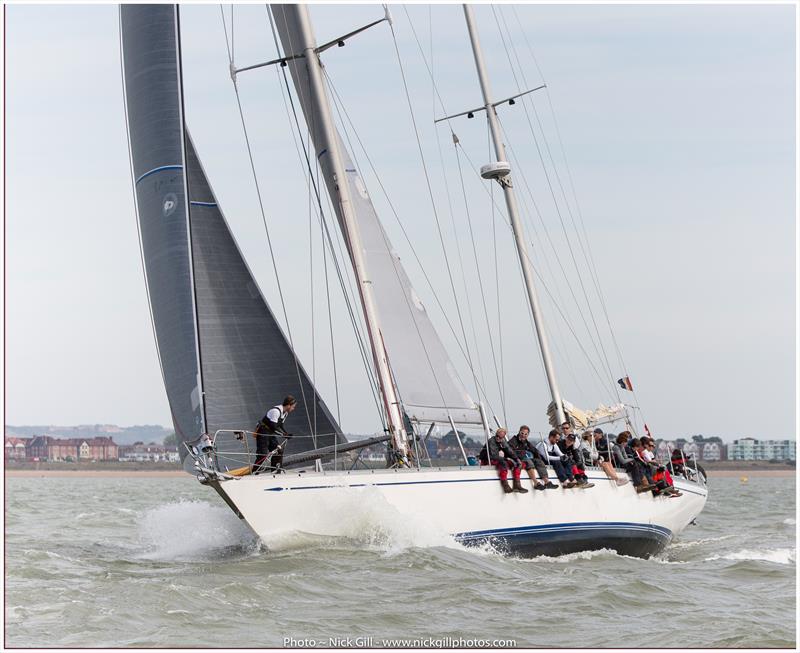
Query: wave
column 579, row 555
column 362, row 517
column 192, row 531
column 778, row 556
column 686, row 544
column 790, row 521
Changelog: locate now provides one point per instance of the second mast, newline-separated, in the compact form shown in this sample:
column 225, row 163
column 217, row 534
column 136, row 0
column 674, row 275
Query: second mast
column 513, row 214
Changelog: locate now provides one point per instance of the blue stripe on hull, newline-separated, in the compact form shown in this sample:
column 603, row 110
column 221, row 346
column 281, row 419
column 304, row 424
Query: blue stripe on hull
column 489, row 479
column 641, row 540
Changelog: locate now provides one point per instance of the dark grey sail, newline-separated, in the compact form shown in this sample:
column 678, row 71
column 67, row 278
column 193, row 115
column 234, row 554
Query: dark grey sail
column 247, row 362
column 224, row 358
column 152, row 94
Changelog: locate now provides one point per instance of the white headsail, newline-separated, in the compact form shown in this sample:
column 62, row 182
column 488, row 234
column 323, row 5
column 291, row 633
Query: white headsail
column 428, row 384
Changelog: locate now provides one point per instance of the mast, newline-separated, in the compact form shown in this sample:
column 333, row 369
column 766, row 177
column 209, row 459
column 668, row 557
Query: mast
column 328, row 144
column 502, row 174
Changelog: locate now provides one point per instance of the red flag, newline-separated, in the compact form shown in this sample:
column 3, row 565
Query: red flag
column 625, row 383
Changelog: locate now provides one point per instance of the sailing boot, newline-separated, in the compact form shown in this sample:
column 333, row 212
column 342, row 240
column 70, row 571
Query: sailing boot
column 537, row 485
column 518, row 486
column 506, row 487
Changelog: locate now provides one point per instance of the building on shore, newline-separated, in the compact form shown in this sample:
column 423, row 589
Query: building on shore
column 140, row 452
column 16, row 448
column 46, row 447
column 753, row 449
column 699, row 447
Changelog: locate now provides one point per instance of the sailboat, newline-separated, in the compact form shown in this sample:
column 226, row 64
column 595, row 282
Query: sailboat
column 224, row 358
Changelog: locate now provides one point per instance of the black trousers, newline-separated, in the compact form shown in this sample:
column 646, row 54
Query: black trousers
column 266, row 444
column 635, row 471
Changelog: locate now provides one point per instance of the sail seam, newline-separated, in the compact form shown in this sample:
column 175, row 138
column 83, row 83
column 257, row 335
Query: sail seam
column 174, row 166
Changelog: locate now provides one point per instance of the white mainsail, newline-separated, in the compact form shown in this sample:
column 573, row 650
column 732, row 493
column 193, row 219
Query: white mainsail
column 429, row 387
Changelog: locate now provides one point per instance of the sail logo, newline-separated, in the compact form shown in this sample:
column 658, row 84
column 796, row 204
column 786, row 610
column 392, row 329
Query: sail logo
column 169, row 205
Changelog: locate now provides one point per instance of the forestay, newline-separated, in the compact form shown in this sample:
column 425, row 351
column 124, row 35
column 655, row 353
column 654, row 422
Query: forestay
column 224, row 358
column 429, row 387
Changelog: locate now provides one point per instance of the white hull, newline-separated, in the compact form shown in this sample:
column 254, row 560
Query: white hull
column 467, row 503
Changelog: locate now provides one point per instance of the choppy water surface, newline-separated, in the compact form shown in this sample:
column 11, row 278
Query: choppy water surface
column 163, row 562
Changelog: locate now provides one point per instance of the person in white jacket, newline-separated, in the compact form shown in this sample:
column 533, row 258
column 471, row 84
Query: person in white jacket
column 556, row 458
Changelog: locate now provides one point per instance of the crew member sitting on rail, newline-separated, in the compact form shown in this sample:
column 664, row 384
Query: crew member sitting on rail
column 551, row 452
column 503, row 458
column 267, row 431
column 679, row 460
column 626, row 459
column 603, row 458
column 637, row 447
column 661, row 476
column 575, row 456
column 531, row 458
column 566, row 430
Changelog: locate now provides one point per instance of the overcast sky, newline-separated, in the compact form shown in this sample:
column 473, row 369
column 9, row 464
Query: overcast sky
column 678, row 124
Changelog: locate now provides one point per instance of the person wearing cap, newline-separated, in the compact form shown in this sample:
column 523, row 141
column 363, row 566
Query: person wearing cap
column 603, row 457
column 496, row 452
column 575, row 457
column 552, row 453
column 531, row 459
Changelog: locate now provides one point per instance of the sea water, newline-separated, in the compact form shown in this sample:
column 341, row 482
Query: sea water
column 163, row 562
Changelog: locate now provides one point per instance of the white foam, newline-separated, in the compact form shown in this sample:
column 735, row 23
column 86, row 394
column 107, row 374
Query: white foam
column 685, row 544
column 363, row 516
column 790, row 521
column 579, row 555
column 779, row 556
column 192, row 530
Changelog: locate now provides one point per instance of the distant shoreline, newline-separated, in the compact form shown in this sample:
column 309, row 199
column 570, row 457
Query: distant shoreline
column 98, row 473
column 177, row 473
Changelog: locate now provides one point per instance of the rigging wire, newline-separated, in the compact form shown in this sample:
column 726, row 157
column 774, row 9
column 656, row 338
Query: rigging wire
column 442, row 105
column 395, row 261
column 311, row 292
column 557, row 208
column 499, row 311
column 349, row 302
column 460, row 258
column 546, row 288
column 584, row 246
column 408, row 240
column 593, row 266
column 440, row 233
column 425, row 170
column 560, row 339
column 267, row 232
column 604, row 380
column 480, row 277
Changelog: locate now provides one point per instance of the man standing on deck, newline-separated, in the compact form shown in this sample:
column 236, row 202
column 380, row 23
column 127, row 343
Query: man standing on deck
column 267, row 431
